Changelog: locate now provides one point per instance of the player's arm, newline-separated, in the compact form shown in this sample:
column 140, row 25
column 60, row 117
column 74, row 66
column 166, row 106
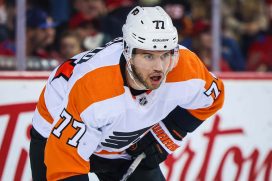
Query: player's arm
column 69, row 147
column 165, row 137
column 206, row 99
column 210, row 97
column 73, row 139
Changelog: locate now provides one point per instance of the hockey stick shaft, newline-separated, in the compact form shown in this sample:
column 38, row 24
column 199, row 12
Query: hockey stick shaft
column 133, row 166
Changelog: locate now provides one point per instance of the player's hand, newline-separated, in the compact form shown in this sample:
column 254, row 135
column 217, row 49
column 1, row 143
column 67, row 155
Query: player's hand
column 155, row 153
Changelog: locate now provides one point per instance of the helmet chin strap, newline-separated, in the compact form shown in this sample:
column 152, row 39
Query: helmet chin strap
column 136, row 81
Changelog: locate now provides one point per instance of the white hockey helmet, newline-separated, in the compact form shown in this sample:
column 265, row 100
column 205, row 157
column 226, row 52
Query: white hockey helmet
column 148, row 28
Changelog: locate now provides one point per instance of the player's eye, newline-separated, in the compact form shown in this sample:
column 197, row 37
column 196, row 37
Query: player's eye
column 165, row 56
column 148, row 57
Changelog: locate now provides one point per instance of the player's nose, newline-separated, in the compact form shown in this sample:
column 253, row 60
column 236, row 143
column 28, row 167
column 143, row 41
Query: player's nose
column 158, row 64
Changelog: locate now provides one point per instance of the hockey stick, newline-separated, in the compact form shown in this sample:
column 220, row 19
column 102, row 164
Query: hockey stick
column 133, row 166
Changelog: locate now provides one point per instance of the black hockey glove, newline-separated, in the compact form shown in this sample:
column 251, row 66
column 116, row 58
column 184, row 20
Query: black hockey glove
column 165, row 137
column 155, row 153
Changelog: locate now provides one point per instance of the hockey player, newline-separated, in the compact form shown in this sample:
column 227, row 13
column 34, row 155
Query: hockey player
column 102, row 108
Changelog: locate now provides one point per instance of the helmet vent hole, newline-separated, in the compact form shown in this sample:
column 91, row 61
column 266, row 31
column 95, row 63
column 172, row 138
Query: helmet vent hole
column 142, row 22
column 140, row 41
column 142, row 38
column 174, row 38
column 165, row 46
column 154, row 46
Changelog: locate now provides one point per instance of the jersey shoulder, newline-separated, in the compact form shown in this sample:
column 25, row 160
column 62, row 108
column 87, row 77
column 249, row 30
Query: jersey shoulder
column 107, row 55
column 97, row 79
column 189, row 66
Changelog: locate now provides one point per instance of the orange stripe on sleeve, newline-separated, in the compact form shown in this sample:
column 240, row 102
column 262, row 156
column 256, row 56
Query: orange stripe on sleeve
column 41, row 106
column 63, row 160
column 105, row 152
column 98, row 85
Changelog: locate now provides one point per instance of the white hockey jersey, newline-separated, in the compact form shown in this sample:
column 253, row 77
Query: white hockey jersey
column 86, row 109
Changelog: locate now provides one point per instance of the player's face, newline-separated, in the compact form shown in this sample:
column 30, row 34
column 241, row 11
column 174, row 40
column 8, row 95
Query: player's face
column 151, row 67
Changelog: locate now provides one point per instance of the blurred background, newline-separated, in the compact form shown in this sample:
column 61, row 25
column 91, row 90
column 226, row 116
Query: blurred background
column 233, row 38
column 229, row 35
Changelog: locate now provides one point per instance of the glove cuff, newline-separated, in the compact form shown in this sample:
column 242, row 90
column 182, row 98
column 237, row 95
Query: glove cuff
column 164, row 137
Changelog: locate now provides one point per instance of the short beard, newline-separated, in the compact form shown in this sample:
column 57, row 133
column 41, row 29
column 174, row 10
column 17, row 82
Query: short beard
column 138, row 76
